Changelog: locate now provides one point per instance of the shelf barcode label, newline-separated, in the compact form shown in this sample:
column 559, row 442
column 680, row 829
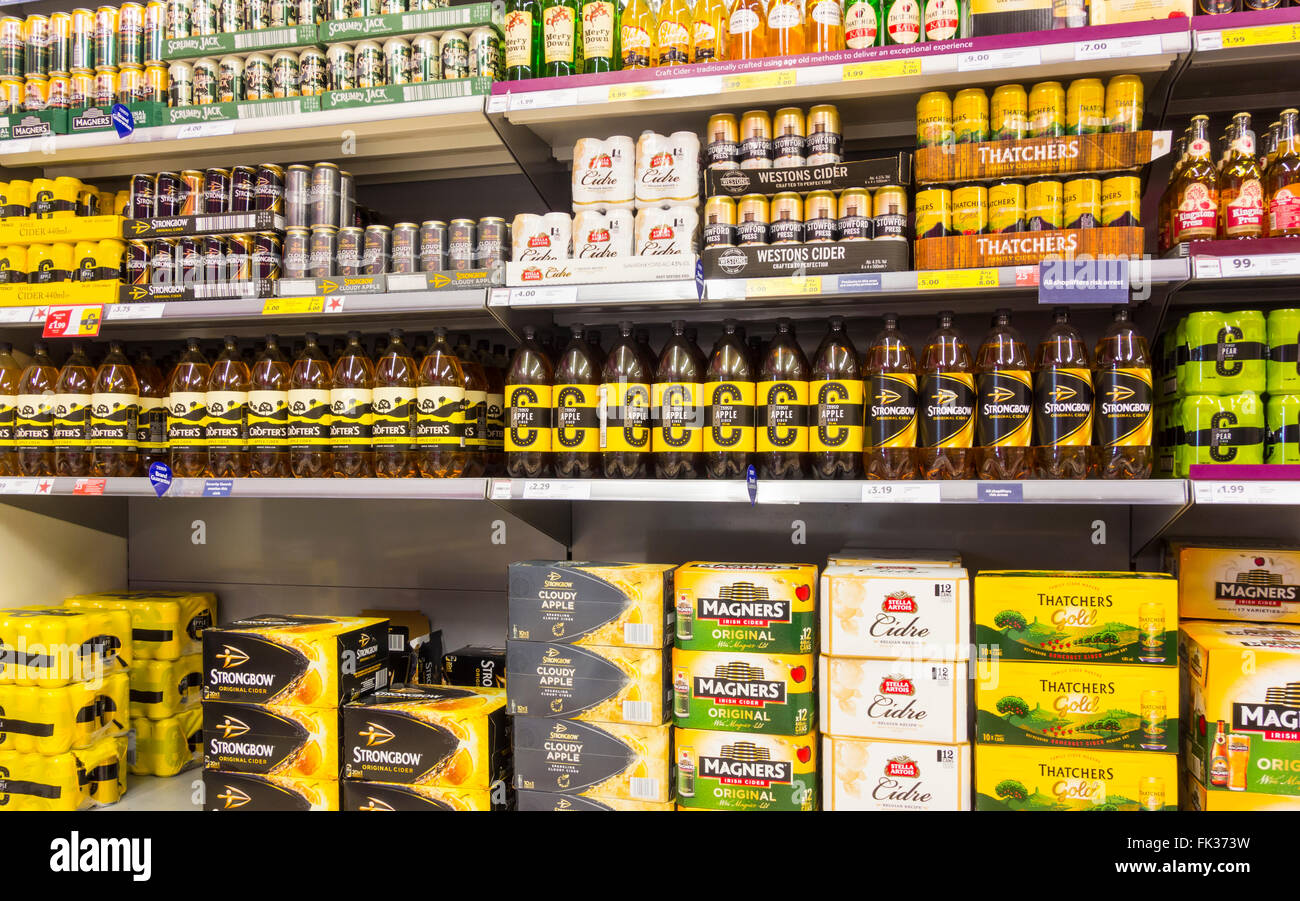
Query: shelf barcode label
column 441, row 18
column 255, row 39
column 435, row 90
column 223, row 290
column 636, row 711
column 271, row 110
column 237, row 222
column 637, row 633
column 643, row 788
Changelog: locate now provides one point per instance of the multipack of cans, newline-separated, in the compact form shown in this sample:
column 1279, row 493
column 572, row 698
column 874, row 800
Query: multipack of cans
column 592, row 234
column 789, row 139
column 58, row 198
column 854, row 214
column 1049, row 203
column 415, row 59
column 320, row 251
column 619, row 174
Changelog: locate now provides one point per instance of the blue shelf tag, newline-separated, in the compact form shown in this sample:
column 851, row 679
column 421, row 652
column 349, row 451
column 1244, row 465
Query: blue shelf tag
column 160, row 475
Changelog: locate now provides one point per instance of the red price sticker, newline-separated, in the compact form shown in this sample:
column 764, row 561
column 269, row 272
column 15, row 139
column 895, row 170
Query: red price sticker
column 89, row 486
column 73, row 322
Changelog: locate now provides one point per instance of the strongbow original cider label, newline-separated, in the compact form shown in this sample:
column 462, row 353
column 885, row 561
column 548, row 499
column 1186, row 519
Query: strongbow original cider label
column 947, row 410
column 1124, row 408
column 747, row 607
column 1009, row 778
column 891, row 401
column 770, row 693
column 250, row 792
column 257, row 738
column 597, row 684
column 381, row 797
column 735, row 771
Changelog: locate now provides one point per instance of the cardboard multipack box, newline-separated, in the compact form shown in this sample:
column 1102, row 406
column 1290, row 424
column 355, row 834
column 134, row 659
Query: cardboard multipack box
column 597, row 684
column 864, row 556
column 1068, row 779
column 896, row 611
column 738, row 771
column 769, row 693
column 608, row 604
column 1197, row 797
column 1229, row 580
column 901, row 700
column 595, row 760
column 768, row 607
column 372, row 797
column 869, row 774
column 257, row 738
column 553, row 802
column 256, row 793
column 475, row 665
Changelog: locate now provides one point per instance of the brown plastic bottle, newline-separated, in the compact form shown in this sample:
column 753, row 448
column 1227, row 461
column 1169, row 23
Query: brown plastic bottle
column 1004, row 388
column 476, row 390
column 151, row 418
column 1063, row 403
column 228, row 386
column 394, row 426
column 889, row 442
column 946, row 413
column 352, row 412
column 626, row 391
column 576, row 399
column 268, row 413
column 187, row 413
column 835, row 397
column 781, row 407
column 495, row 415
column 529, row 429
column 310, row 381
column 34, row 423
column 1123, row 401
column 647, row 352
column 10, row 375
column 114, row 411
column 729, row 392
column 677, row 403
column 592, row 337
column 72, row 414
column 440, row 412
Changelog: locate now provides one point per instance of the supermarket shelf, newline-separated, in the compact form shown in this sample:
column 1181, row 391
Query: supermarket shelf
column 156, row 793
column 386, row 489
column 1240, row 50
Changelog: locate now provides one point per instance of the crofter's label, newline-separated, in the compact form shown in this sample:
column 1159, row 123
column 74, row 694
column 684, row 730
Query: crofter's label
column 476, row 419
column 837, row 415
column 227, row 419
column 678, row 418
column 729, row 417
column 113, row 420
column 891, row 408
column 766, row 693
column 1063, row 407
column 735, row 771
column 496, row 419
column 151, row 424
column 519, row 39
column 351, row 417
column 558, row 31
column 577, row 418
column 8, row 418
column 1006, row 407
column 187, row 417
column 528, row 424
column 947, row 409
column 1124, row 408
column 394, row 410
column 268, row 419
column 782, row 416
column 309, row 417
column 72, row 420
column 860, row 25
column 598, row 24
column 440, row 416
column 625, row 417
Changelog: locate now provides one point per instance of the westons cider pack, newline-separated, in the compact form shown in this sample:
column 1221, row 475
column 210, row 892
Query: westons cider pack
column 384, row 797
column 53, row 646
column 896, row 611
column 861, row 774
column 457, row 737
column 1096, row 617
column 1078, row 705
column 596, row 685
column 903, row 700
column 768, row 607
column 163, row 688
column 165, row 625
column 607, row 604
column 285, row 741
column 770, row 693
column 87, row 777
column 735, row 771
column 552, row 802
column 1261, row 583
column 167, row 746
column 295, row 661
column 1009, row 778
column 601, row 760
column 54, row 720
column 251, row 792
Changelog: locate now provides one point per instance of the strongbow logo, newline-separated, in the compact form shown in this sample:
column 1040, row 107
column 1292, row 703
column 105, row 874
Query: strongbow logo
column 375, row 804
column 945, row 397
column 552, row 654
column 140, row 226
column 1062, row 393
column 902, row 766
column 1120, row 392
column 1001, row 395
column 887, row 397
column 231, row 727
column 563, row 804
column 897, row 685
column 899, row 602
column 375, row 734
column 231, row 657
column 365, row 639
column 232, row 798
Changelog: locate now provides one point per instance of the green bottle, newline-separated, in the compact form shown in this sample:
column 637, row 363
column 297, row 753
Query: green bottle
column 902, row 22
column 523, row 43
column 561, row 38
column 601, row 50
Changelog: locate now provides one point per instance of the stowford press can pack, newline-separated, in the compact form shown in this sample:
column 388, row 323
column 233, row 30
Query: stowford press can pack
column 769, row 693
column 606, row 604
column 735, row 771
column 1011, row 778
column 597, row 685
column 598, row 760
column 747, row 607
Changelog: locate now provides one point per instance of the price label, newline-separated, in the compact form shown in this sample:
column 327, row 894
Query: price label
column 408, row 281
column 1246, row 492
column 942, row 279
column 206, row 129
column 557, row 490
column 783, row 287
column 781, row 78
column 500, row 490
column 134, row 311
column 1258, row 36
column 18, row 486
column 73, row 322
column 498, row 103
column 89, row 486
column 635, row 91
column 542, row 99
column 1206, row 267
column 901, row 492
column 281, row 306
column 1014, row 58
column 1142, row 45
column 16, row 314
column 536, row 297
column 884, row 68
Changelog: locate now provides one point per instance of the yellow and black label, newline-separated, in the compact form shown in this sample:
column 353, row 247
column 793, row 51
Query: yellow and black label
column 309, row 417
column 394, row 417
column 476, row 430
column 1006, row 408
column 577, row 419
column 228, row 420
column 268, row 419
column 837, row 415
column 72, row 420
column 8, row 419
column 440, row 415
column 782, row 419
column 151, row 424
column 947, row 411
column 187, row 414
column 625, row 419
column 729, row 417
column 113, row 420
column 679, row 423
column 352, row 417
column 1124, row 408
column 496, row 420
column 1063, row 407
column 891, row 402
column 528, row 422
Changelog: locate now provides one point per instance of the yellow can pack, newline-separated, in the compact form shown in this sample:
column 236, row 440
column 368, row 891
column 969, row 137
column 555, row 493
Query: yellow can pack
column 773, row 693
column 88, row 777
column 163, row 688
column 553, row 802
column 252, row 792
column 896, row 611
column 610, row 604
column 737, row 771
column 1258, row 583
column 1197, row 797
column 383, row 797
column 596, row 685
column 165, row 625
column 433, row 734
column 867, row 774
column 35, row 720
column 167, row 746
column 53, row 646
column 258, row 738
column 1012, row 778
column 598, row 760
column 296, row 661
column 769, row 607
column 1097, row 617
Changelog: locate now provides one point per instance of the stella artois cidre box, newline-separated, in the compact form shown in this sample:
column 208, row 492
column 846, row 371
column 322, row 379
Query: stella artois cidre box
column 896, row 611
column 770, row 607
column 902, row 700
column 1093, row 617
column 607, row 604
column 864, row 556
column 1260, row 584
column 866, row 774
column 595, row 685
column 771, row 693
column 598, row 760
column 1012, row 778
column 740, row 771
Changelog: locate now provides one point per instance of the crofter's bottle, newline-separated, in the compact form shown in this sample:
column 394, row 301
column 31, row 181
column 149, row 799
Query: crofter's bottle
column 1004, row 387
column 890, row 375
column 729, row 392
column 187, row 413
column 625, row 408
column 151, row 420
column 394, row 410
column 947, row 405
column 529, row 430
column 34, row 421
column 310, row 381
column 1063, row 403
column 114, row 407
column 677, row 403
column 10, row 375
column 475, row 426
column 781, row 404
column 440, row 412
column 352, row 411
column 1123, row 401
column 495, row 417
column 228, row 386
column 836, row 395
column 268, row 413
column 72, row 414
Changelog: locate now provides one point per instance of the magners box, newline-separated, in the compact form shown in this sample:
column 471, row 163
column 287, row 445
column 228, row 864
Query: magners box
column 769, row 607
column 606, row 604
column 295, row 661
column 1197, row 797
column 255, row 793
column 596, row 685
column 1065, row 779
column 257, row 738
column 737, row 771
column 1095, row 617
column 600, row 760
column 866, row 774
column 896, row 611
column 1259, row 583
column 1242, row 719
column 769, row 693
column 900, row 700
column 1077, row 705
column 428, row 734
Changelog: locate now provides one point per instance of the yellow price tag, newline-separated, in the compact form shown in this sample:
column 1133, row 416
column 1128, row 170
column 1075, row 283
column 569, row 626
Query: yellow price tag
column 782, row 78
column 783, row 287
column 280, row 306
column 883, row 68
column 956, row 278
column 1265, row 34
column 633, row 91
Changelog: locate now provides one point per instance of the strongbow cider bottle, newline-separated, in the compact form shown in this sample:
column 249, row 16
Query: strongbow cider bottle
column 890, row 375
column 1123, row 401
column 1004, row 386
column 1063, row 403
column 947, row 405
